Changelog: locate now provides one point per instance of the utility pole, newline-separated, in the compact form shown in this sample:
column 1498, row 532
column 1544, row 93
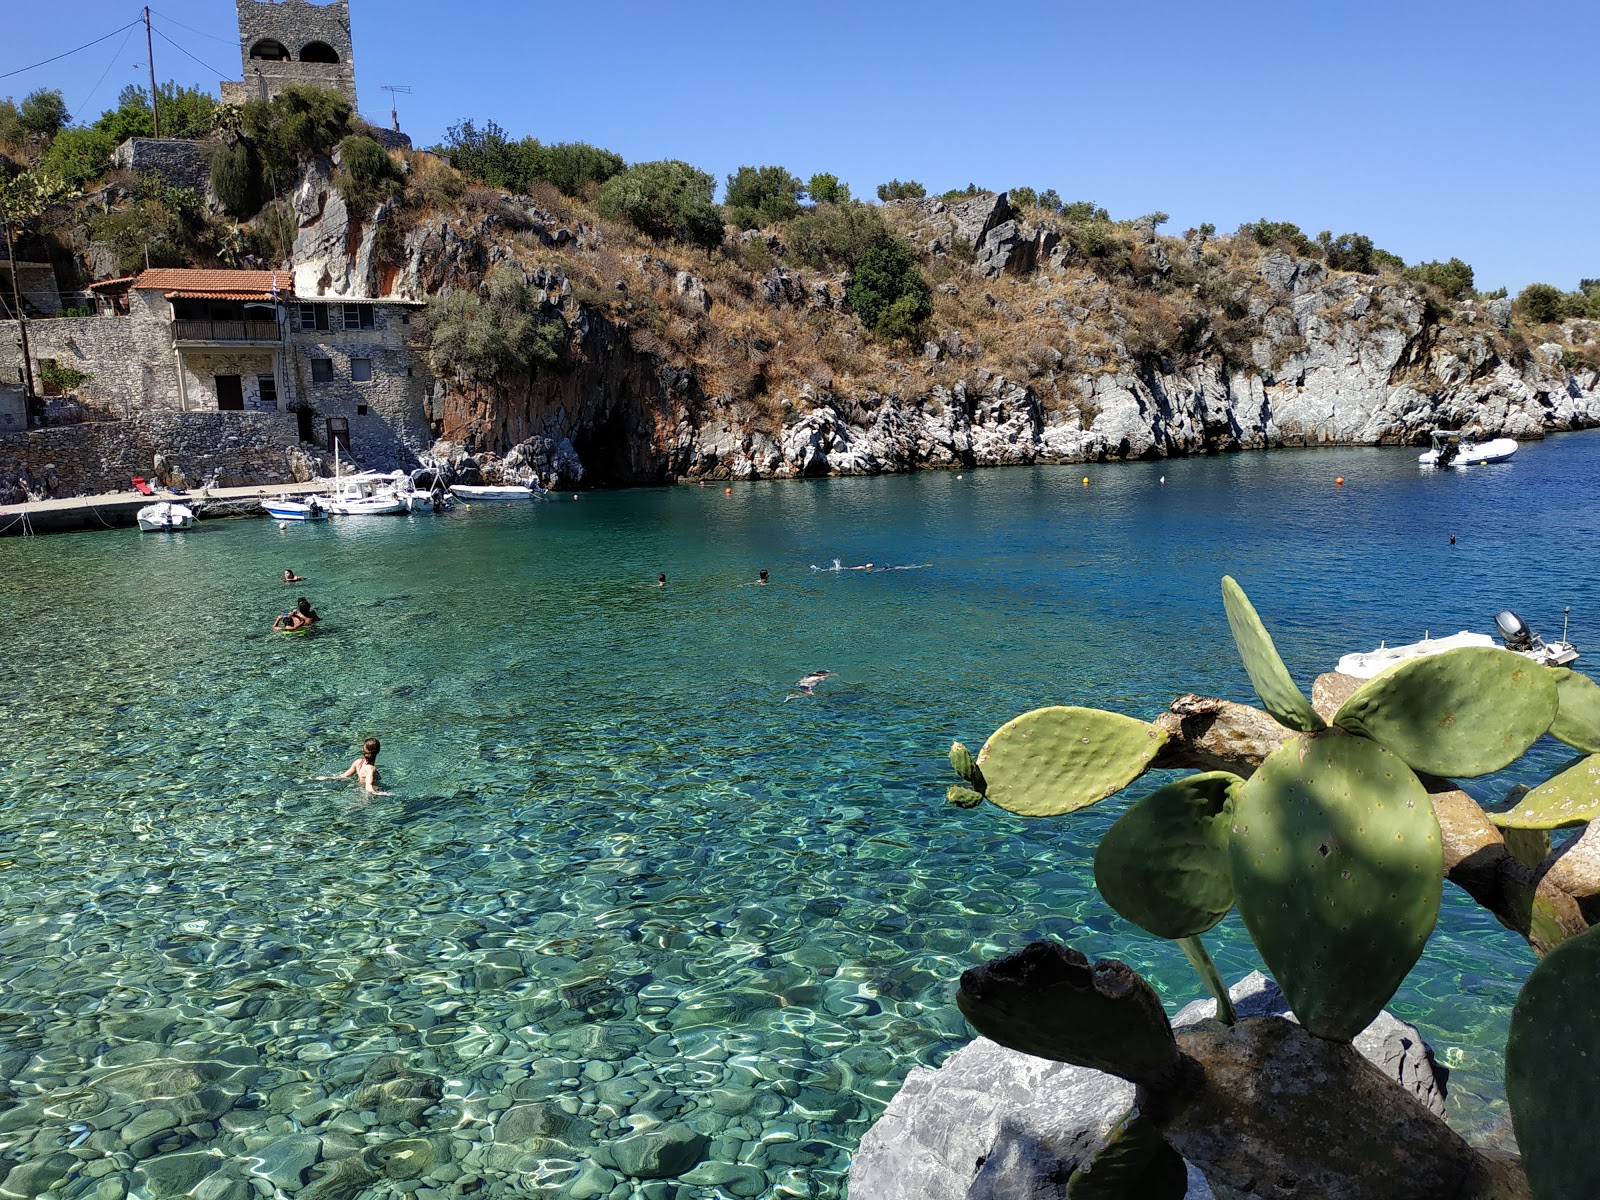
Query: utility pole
column 150, row 57
column 16, row 301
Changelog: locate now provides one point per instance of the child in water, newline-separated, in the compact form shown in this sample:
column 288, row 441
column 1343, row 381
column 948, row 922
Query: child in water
column 365, row 768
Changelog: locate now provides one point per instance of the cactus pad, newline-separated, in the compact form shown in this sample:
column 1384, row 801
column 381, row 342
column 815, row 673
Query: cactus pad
column 1552, row 1088
column 1271, row 679
column 1461, row 713
column 964, row 765
column 1337, row 865
column 1577, row 720
column 963, row 797
column 1164, row 864
column 1571, row 797
column 1056, row 760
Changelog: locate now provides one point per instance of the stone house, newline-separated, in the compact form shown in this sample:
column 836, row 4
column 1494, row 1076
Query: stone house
column 195, row 340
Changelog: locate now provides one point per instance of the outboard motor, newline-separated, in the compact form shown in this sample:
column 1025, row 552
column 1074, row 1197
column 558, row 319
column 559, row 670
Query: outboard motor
column 1447, row 455
column 1514, row 630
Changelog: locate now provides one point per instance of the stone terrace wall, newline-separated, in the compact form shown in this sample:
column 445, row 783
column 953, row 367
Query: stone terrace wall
column 129, row 359
column 176, row 162
column 82, row 460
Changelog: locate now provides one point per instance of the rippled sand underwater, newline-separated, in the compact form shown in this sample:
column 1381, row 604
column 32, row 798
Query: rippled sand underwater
column 631, row 923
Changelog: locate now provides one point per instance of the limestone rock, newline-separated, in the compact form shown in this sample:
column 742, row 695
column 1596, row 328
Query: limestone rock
column 992, row 1123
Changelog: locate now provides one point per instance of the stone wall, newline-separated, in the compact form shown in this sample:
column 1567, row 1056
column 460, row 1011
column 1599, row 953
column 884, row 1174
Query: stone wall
column 37, row 284
column 128, row 371
column 79, row 460
column 294, row 24
column 175, row 161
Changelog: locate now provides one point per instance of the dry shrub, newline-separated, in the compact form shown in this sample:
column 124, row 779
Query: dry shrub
column 433, row 185
column 1159, row 327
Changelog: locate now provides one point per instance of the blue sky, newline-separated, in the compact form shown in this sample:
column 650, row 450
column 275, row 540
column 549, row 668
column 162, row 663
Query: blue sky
column 1436, row 129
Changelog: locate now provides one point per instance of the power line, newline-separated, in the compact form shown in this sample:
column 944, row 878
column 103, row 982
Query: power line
column 104, row 73
column 225, row 41
column 66, row 54
column 181, row 50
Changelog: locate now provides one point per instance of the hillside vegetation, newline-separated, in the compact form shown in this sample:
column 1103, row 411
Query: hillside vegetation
column 785, row 290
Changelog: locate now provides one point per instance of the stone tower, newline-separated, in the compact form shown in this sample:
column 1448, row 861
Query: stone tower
column 293, row 43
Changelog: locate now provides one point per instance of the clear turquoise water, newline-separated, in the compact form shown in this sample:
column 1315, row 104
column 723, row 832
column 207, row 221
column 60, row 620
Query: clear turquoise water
column 614, row 851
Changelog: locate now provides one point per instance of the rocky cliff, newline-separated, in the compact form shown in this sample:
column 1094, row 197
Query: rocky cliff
column 743, row 364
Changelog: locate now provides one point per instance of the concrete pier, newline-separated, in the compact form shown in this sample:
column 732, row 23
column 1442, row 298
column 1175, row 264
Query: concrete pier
column 116, row 510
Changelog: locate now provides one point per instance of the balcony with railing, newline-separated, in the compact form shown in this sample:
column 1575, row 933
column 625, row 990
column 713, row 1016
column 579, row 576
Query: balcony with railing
column 205, row 332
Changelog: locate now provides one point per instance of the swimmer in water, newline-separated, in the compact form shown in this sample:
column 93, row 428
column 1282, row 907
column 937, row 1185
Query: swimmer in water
column 290, row 577
column 365, row 769
column 808, row 684
column 661, row 580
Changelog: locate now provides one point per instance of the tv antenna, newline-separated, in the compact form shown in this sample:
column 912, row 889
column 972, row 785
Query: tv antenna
column 393, row 89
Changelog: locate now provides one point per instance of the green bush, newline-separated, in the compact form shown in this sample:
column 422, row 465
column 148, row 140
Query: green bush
column 293, row 128
column 1540, row 303
column 1349, row 252
column 667, row 199
column 1453, row 278
column 824, row 188
column 68, row 379
column 835, row 235
column 1083, row 210
column 367, row 176
column 236, row 179
column 758, row 196
column 957, row 195
column 79, row 156
column 489, row 156
column 164, row 226
column 495, row 336
column 888, row 292
column 1281, row 235
column 896, row 190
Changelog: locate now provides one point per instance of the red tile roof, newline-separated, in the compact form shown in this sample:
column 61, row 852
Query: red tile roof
column 107, row 283
column 201, row 284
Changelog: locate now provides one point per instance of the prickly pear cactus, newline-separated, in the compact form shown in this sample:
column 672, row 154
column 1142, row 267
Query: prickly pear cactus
column 1338, row 870
column 1577, row 720
column 1551, row 1084
column 1056, row 760
column 963, row 797
column 1571, row 797
column 1461, row 713
column 1271, row 679
column 964, row 765
column 1164, row 863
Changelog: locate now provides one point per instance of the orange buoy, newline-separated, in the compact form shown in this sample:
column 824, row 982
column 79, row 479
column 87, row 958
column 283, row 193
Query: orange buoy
column 1338, row 480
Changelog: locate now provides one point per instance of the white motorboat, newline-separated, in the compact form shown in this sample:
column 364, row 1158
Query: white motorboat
column 368, row 494
column 1454, row 449
column 295, row 510
column 1513, row 631
column 473, row 491
column 165, row 515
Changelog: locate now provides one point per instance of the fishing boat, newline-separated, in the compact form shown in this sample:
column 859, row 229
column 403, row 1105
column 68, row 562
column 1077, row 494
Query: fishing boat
column 1455, row 449
column 1514, row 634
column 516, row 491
column 369, row 494
column 165, row 516
column 285, row 509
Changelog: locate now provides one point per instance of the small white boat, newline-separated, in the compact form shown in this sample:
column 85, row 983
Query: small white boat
column 521, row 491
column 165, row 515
column 1454, row 449
column 295, row 510
column 1513, row 632
column 369, row 494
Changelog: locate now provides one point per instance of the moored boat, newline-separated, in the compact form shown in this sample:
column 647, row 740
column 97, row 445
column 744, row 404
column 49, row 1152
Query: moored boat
column 473, row 491
column 295, row 510
column 1514, row 633
column 165, row 516
column 1455, row 449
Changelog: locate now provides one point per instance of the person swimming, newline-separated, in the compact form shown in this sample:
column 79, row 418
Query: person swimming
column 365, row 768
column 761, row 577
column 661, row 580
column 808, row 684
column 290, row 577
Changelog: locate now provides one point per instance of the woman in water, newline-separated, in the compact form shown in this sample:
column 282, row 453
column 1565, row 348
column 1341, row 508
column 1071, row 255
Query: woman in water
column 365, row 769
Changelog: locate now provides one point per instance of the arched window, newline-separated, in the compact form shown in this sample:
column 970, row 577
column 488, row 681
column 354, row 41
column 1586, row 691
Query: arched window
column 271, row 50
column 319, row 52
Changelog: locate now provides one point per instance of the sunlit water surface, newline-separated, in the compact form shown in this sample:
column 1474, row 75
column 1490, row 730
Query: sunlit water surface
column 621, row 875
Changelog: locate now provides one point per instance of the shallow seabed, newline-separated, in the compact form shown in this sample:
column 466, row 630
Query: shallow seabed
column 632, row 923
